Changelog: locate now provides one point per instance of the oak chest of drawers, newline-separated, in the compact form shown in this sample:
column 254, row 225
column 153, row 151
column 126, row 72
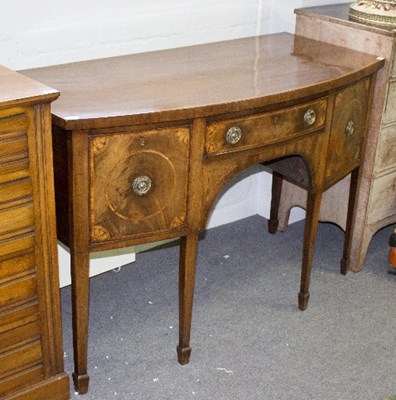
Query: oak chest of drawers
column 31, row 356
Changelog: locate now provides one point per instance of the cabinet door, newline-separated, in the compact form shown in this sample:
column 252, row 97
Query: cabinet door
column 138, row 182
column 347, row 128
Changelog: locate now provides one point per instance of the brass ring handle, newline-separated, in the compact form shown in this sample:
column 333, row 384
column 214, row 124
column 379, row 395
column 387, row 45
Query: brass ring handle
column 233, row 135
column 309, row 117
column 350, row 128
column 141, row 185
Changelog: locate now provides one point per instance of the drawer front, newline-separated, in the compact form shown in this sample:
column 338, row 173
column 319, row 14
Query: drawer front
column 16, row 189
column 18, row 336
column 13, row 319
column 18, row 291
column 21, row 355
column 262, row 129
column 13, row 146
column 21, row 380
column 12, row 267
column 386, row 150
column 21, row 359
column 138, row 182
column 17, row 243
column 383, row 198
column 21, row 216
column 20, row 189
column 14, row 162
column 20, row 330
column 347, row 128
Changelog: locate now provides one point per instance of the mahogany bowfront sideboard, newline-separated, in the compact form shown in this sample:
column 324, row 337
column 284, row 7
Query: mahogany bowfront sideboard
column 143, row 144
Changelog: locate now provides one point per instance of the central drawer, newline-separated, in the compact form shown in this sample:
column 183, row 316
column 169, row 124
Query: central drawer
column 138, row 182
column 256, row 130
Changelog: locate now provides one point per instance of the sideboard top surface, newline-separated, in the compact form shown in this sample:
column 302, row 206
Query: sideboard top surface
column 199, row 80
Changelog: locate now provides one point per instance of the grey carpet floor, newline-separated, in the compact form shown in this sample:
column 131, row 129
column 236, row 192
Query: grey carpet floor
column 249, row 339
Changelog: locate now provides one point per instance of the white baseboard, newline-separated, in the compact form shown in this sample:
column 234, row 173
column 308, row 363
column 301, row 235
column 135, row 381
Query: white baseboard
column 101, row 261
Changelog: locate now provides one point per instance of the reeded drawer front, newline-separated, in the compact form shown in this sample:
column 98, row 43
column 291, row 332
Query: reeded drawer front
column 260, row 129
column 17, row 265
column 13, row 145
column 21, row 380
column 22, row 218
column 20, row 189
column 18, row 243
column 15, row 318
column 19, row 336
column 20, row 359
column 13, row 134
column 138, row 182
column 18, row 291
column 347, row 128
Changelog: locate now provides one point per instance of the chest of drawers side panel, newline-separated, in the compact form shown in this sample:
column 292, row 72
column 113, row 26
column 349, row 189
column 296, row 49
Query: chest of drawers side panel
column 30, row 335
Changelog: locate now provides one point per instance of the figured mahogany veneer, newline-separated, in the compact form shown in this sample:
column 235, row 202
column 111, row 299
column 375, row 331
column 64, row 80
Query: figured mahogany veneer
column 31, row 355
column 143, row 144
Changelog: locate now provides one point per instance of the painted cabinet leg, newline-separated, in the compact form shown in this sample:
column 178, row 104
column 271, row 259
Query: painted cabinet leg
column 273, row 222
column 80, row 310
column 310, row 232
column 187, row 267
column 359, row 253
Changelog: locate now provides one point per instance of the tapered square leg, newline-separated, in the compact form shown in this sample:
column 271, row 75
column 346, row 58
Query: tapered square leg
column 187, row 267
column 310, row 232
column 80, row 308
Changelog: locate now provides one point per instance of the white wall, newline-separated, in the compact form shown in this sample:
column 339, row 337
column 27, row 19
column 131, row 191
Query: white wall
column 282, row 12
column 47, row 32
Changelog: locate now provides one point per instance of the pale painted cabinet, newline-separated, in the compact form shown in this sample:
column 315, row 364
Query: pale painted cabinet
column 377, row 196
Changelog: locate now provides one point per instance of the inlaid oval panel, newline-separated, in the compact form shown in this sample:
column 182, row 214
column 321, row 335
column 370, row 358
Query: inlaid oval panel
column 138, row 182
column 129, row 204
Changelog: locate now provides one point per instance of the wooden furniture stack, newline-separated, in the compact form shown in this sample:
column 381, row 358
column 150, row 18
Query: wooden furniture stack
column 143, row 145
column 376, row 204
column 31, row 356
